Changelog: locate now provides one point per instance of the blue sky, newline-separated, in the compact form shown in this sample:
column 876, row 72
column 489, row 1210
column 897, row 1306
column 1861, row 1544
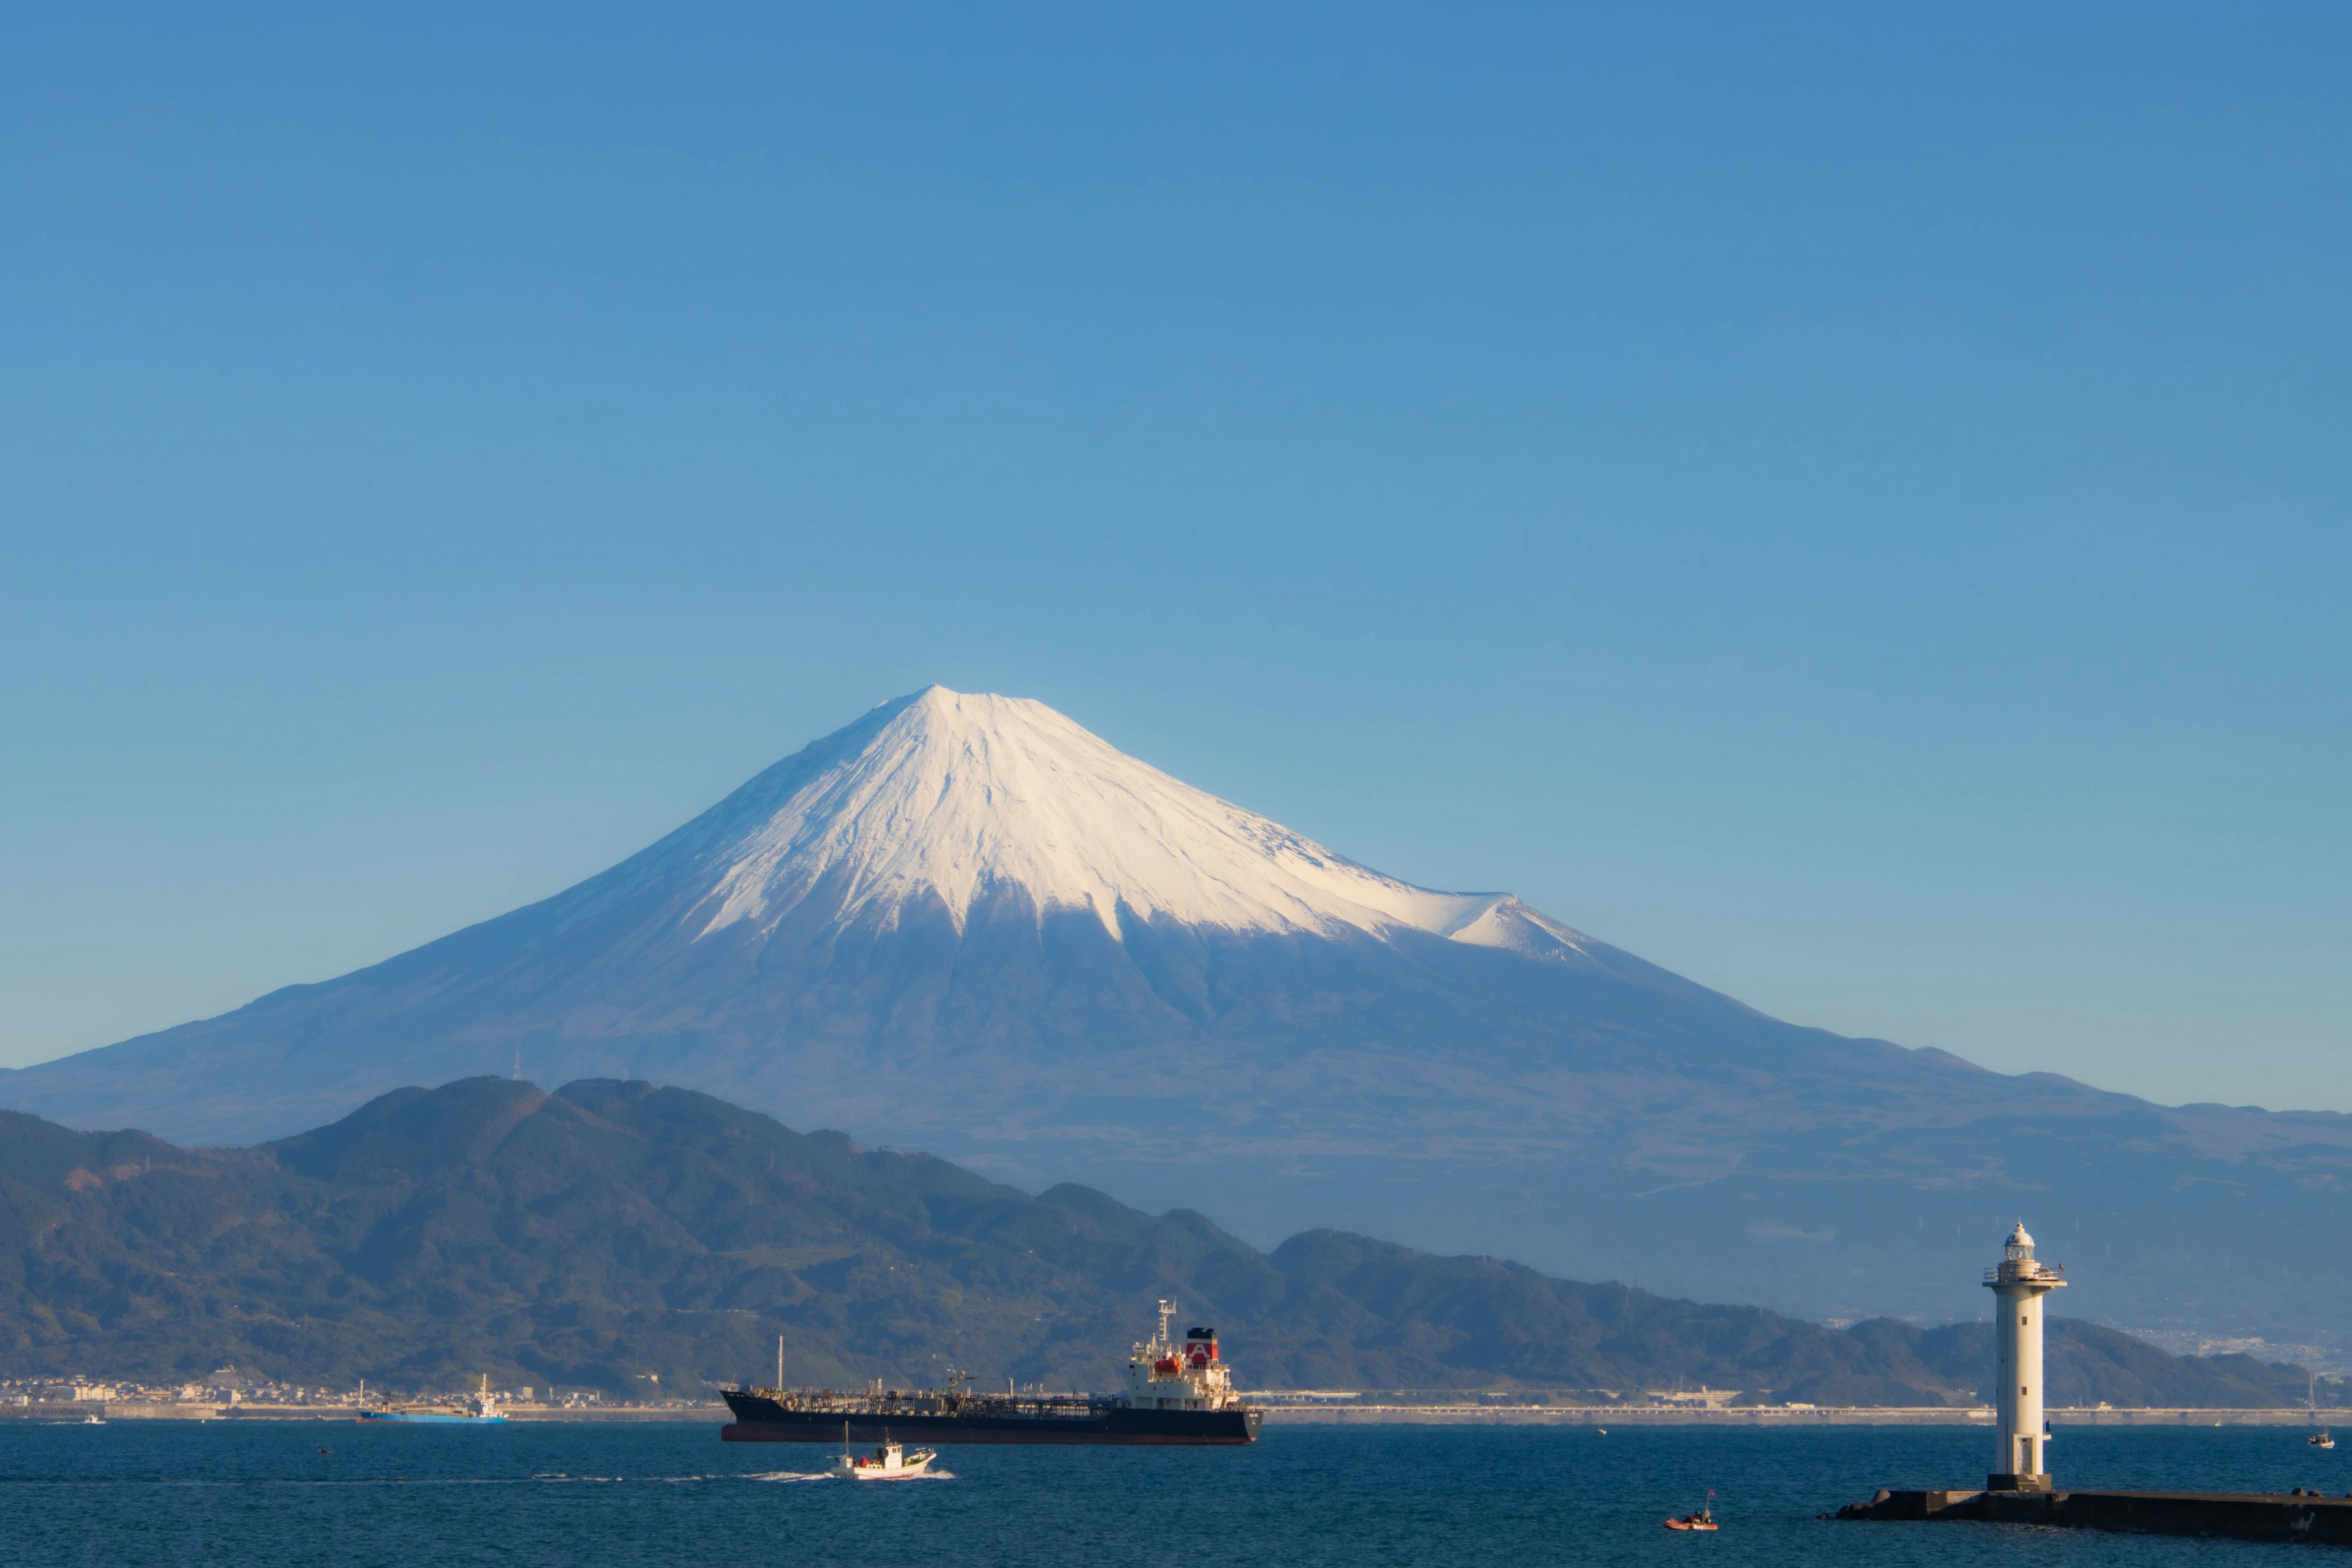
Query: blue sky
column 1850, row 505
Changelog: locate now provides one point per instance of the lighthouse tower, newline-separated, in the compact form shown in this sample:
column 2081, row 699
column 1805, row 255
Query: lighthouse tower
column 2017, row 1283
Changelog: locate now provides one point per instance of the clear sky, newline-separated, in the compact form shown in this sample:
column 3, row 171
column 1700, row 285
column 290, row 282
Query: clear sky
column 1850, row 504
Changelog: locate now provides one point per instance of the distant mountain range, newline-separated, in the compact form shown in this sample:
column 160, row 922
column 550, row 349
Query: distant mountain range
column 965, row 924
column 612, row 1230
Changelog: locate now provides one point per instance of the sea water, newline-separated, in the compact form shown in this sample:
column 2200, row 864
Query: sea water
column 178, row 1494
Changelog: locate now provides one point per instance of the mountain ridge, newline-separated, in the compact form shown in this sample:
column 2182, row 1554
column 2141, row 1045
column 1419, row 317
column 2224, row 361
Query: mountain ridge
column 592, row 1235
column 958, row 923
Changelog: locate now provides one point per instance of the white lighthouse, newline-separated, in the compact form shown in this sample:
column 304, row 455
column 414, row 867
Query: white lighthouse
column 2017, row 1283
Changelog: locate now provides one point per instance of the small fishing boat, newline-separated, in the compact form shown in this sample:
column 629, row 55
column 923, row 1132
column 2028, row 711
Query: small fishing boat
column 889, row 1462
column 2320, row 1440
column 1703, row 1519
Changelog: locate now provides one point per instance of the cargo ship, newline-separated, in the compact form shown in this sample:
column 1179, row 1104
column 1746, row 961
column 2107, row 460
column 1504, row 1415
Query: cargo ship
column 478, row 1410
column 1176, row 1394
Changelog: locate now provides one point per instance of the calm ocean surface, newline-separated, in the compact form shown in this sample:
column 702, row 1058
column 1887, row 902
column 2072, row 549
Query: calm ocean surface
column 173, row 1493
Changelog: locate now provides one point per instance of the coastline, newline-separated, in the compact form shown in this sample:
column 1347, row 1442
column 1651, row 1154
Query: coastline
column 80, row 1410
column 1767, row 1416
column 1278, row 1413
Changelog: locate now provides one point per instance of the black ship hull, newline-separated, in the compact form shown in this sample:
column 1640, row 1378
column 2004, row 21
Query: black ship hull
column 760, row 1418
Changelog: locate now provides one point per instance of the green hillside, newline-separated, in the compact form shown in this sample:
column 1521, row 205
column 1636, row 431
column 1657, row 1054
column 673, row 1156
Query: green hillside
column 611, row 1231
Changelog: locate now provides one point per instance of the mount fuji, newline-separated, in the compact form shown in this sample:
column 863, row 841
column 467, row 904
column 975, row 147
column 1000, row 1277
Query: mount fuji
column 965, row 924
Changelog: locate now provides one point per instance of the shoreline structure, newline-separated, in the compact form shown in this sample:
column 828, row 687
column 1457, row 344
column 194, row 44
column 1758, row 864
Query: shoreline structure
column 2020, row 1489
column 1497, row 1414
column 1323, row 1410
column 73, row 1410
column 1769, row 1415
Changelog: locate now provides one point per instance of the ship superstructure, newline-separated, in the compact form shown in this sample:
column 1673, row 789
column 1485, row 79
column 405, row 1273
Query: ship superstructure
column 1175, row 1394
column 1161, row 1377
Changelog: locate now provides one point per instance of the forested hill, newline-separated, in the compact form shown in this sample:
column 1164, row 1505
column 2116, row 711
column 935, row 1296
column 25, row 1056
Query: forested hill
column 612, row 1230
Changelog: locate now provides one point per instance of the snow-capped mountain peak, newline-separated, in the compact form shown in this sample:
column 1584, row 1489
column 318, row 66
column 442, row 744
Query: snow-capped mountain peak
column 962, row 797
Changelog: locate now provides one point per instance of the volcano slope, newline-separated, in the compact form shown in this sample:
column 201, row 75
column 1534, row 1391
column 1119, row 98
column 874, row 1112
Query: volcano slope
column 966, row 924
column 613, row 1232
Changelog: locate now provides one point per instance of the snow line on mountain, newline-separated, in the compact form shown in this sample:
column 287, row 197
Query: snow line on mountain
column 961, row 797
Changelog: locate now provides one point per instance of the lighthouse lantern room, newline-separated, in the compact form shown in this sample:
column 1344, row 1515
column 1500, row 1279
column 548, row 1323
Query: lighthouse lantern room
column 2017, row 1283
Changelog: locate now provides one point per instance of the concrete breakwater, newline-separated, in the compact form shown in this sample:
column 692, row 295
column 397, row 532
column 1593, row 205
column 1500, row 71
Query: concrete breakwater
column 2298, row 1515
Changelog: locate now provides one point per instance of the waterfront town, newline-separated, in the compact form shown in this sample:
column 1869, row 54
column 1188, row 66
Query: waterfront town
column 230, row 1391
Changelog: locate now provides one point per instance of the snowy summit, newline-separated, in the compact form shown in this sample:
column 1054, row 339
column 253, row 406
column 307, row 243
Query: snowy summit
column 961, row 799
